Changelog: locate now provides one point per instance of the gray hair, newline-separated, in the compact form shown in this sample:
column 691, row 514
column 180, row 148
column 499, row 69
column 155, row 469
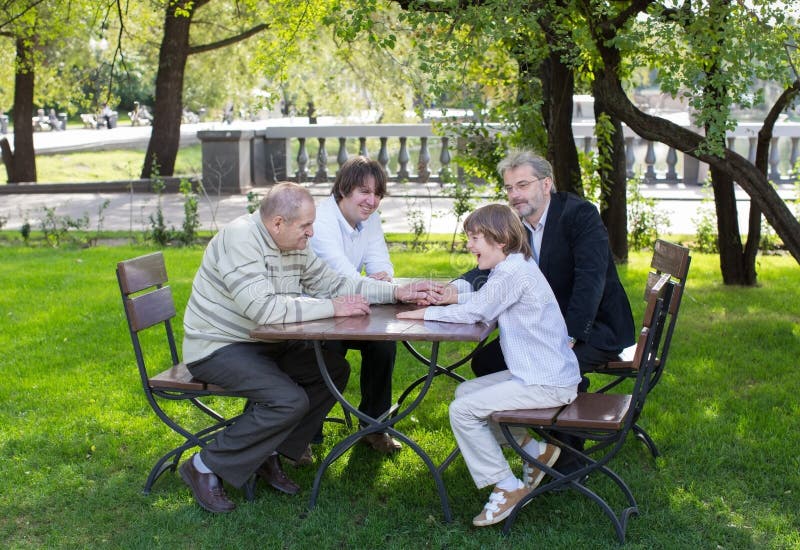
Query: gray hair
column 284, row 199
column 517, row 158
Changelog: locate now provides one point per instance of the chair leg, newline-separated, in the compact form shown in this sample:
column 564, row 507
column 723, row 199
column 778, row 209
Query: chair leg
column 450, row 458
column 347, row 420
column 167, row 462
column 250, row 488
column 572, row 481
column 644, row 437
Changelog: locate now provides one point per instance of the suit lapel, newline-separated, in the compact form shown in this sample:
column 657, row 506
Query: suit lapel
column 550, row 230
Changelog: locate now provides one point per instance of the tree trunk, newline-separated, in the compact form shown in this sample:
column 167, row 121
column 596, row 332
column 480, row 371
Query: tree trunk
column 731, row 256
column 529, row 89
column 751, row 246
column 558, row 86
column 167, row 109
column 8, row 159
column 613, row 187
column 23, row 159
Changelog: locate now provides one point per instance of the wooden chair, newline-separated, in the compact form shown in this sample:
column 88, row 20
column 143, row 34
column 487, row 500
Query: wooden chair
column 148, row 303
column 603, row 420
column 673, row 260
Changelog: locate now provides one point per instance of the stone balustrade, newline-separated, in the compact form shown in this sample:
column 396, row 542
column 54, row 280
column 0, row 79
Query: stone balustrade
column 236, row 160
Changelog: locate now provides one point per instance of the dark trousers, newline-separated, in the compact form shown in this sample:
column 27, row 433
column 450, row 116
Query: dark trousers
column 287, row 400
column 490, row 359
column 377, row 365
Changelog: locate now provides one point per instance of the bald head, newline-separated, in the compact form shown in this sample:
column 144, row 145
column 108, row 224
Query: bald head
column 285, row 200
column 288, row 215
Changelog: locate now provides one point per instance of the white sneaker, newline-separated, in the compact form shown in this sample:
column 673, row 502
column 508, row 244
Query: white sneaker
column 531, row 475
column 499, row 506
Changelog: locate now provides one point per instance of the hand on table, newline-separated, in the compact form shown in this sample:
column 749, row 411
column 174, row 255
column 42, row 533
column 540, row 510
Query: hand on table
column 380, row 276
column 413, row 314
column 350, row 306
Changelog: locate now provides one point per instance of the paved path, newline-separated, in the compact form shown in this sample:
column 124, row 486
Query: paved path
column 680, row 206
column 132, row 211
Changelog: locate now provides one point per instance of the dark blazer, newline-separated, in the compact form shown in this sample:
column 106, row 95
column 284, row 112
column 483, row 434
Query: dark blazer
column 576, row 260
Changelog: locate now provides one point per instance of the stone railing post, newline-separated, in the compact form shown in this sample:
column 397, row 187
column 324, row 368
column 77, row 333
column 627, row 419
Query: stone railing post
column 322, row 162
column 227, row 163
column 672, row 161
column 444, row 158
column 383, row 155
column 270, row 159
column 342, row 156
column 302, row 162
column 402, row 160
column 423, row 165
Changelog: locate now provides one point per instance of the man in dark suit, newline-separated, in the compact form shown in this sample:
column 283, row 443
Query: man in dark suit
column 570, row 244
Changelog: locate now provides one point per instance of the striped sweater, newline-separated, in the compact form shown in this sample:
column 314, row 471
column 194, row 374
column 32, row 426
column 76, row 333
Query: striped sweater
column 244, row 281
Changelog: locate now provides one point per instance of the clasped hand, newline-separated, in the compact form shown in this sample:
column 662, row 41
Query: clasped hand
column 420, row 292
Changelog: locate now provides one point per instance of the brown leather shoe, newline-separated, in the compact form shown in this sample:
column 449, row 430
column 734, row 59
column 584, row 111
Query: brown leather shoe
column 206, row 488
column 272, row 472
column 382, row 442
column 306, row 459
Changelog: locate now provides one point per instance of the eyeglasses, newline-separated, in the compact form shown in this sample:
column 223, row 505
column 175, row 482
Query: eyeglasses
column 522, row 185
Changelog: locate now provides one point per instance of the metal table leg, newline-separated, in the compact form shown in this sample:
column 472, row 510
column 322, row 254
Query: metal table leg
column 386, row 424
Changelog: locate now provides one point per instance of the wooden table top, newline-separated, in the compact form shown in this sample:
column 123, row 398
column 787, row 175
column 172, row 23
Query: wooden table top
column 380, row 324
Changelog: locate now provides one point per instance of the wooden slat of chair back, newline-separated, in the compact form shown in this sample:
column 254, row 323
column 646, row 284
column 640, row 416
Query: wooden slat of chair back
column 653, row 278
column 149, row 309
column 671, row 258
column 654, row 292
column 636, row 362
column 148, row 273
column 143, row 272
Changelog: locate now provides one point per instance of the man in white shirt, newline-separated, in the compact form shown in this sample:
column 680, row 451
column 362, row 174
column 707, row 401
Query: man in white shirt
column 349, row 238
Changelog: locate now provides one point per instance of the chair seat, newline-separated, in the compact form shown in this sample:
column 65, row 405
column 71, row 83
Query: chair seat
column 596, row 411
column 532, row 417
column 178, row 377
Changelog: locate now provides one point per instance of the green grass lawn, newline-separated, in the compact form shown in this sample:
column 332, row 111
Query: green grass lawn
column 77, row 438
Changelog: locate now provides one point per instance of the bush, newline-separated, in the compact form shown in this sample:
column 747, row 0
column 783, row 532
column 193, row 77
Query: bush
column 643, row 220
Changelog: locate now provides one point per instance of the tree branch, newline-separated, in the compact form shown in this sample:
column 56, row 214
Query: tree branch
column 200, row 48
column 765, row 133
column 12, row 18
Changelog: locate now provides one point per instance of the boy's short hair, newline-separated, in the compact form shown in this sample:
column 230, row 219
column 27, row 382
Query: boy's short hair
column 500, row 224
column 354, row 173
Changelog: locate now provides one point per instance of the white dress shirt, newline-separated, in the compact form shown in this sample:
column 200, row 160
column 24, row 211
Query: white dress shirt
column 537, row 232
column 346, row 249
column 533, row 334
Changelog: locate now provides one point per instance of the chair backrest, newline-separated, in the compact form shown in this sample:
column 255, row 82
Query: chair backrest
column 147, row 302
column 674, row 260
column 645, row 359
column 658, row 297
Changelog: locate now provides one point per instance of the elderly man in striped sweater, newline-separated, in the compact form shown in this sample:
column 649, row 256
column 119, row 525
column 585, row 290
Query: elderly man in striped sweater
column 258, row 270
